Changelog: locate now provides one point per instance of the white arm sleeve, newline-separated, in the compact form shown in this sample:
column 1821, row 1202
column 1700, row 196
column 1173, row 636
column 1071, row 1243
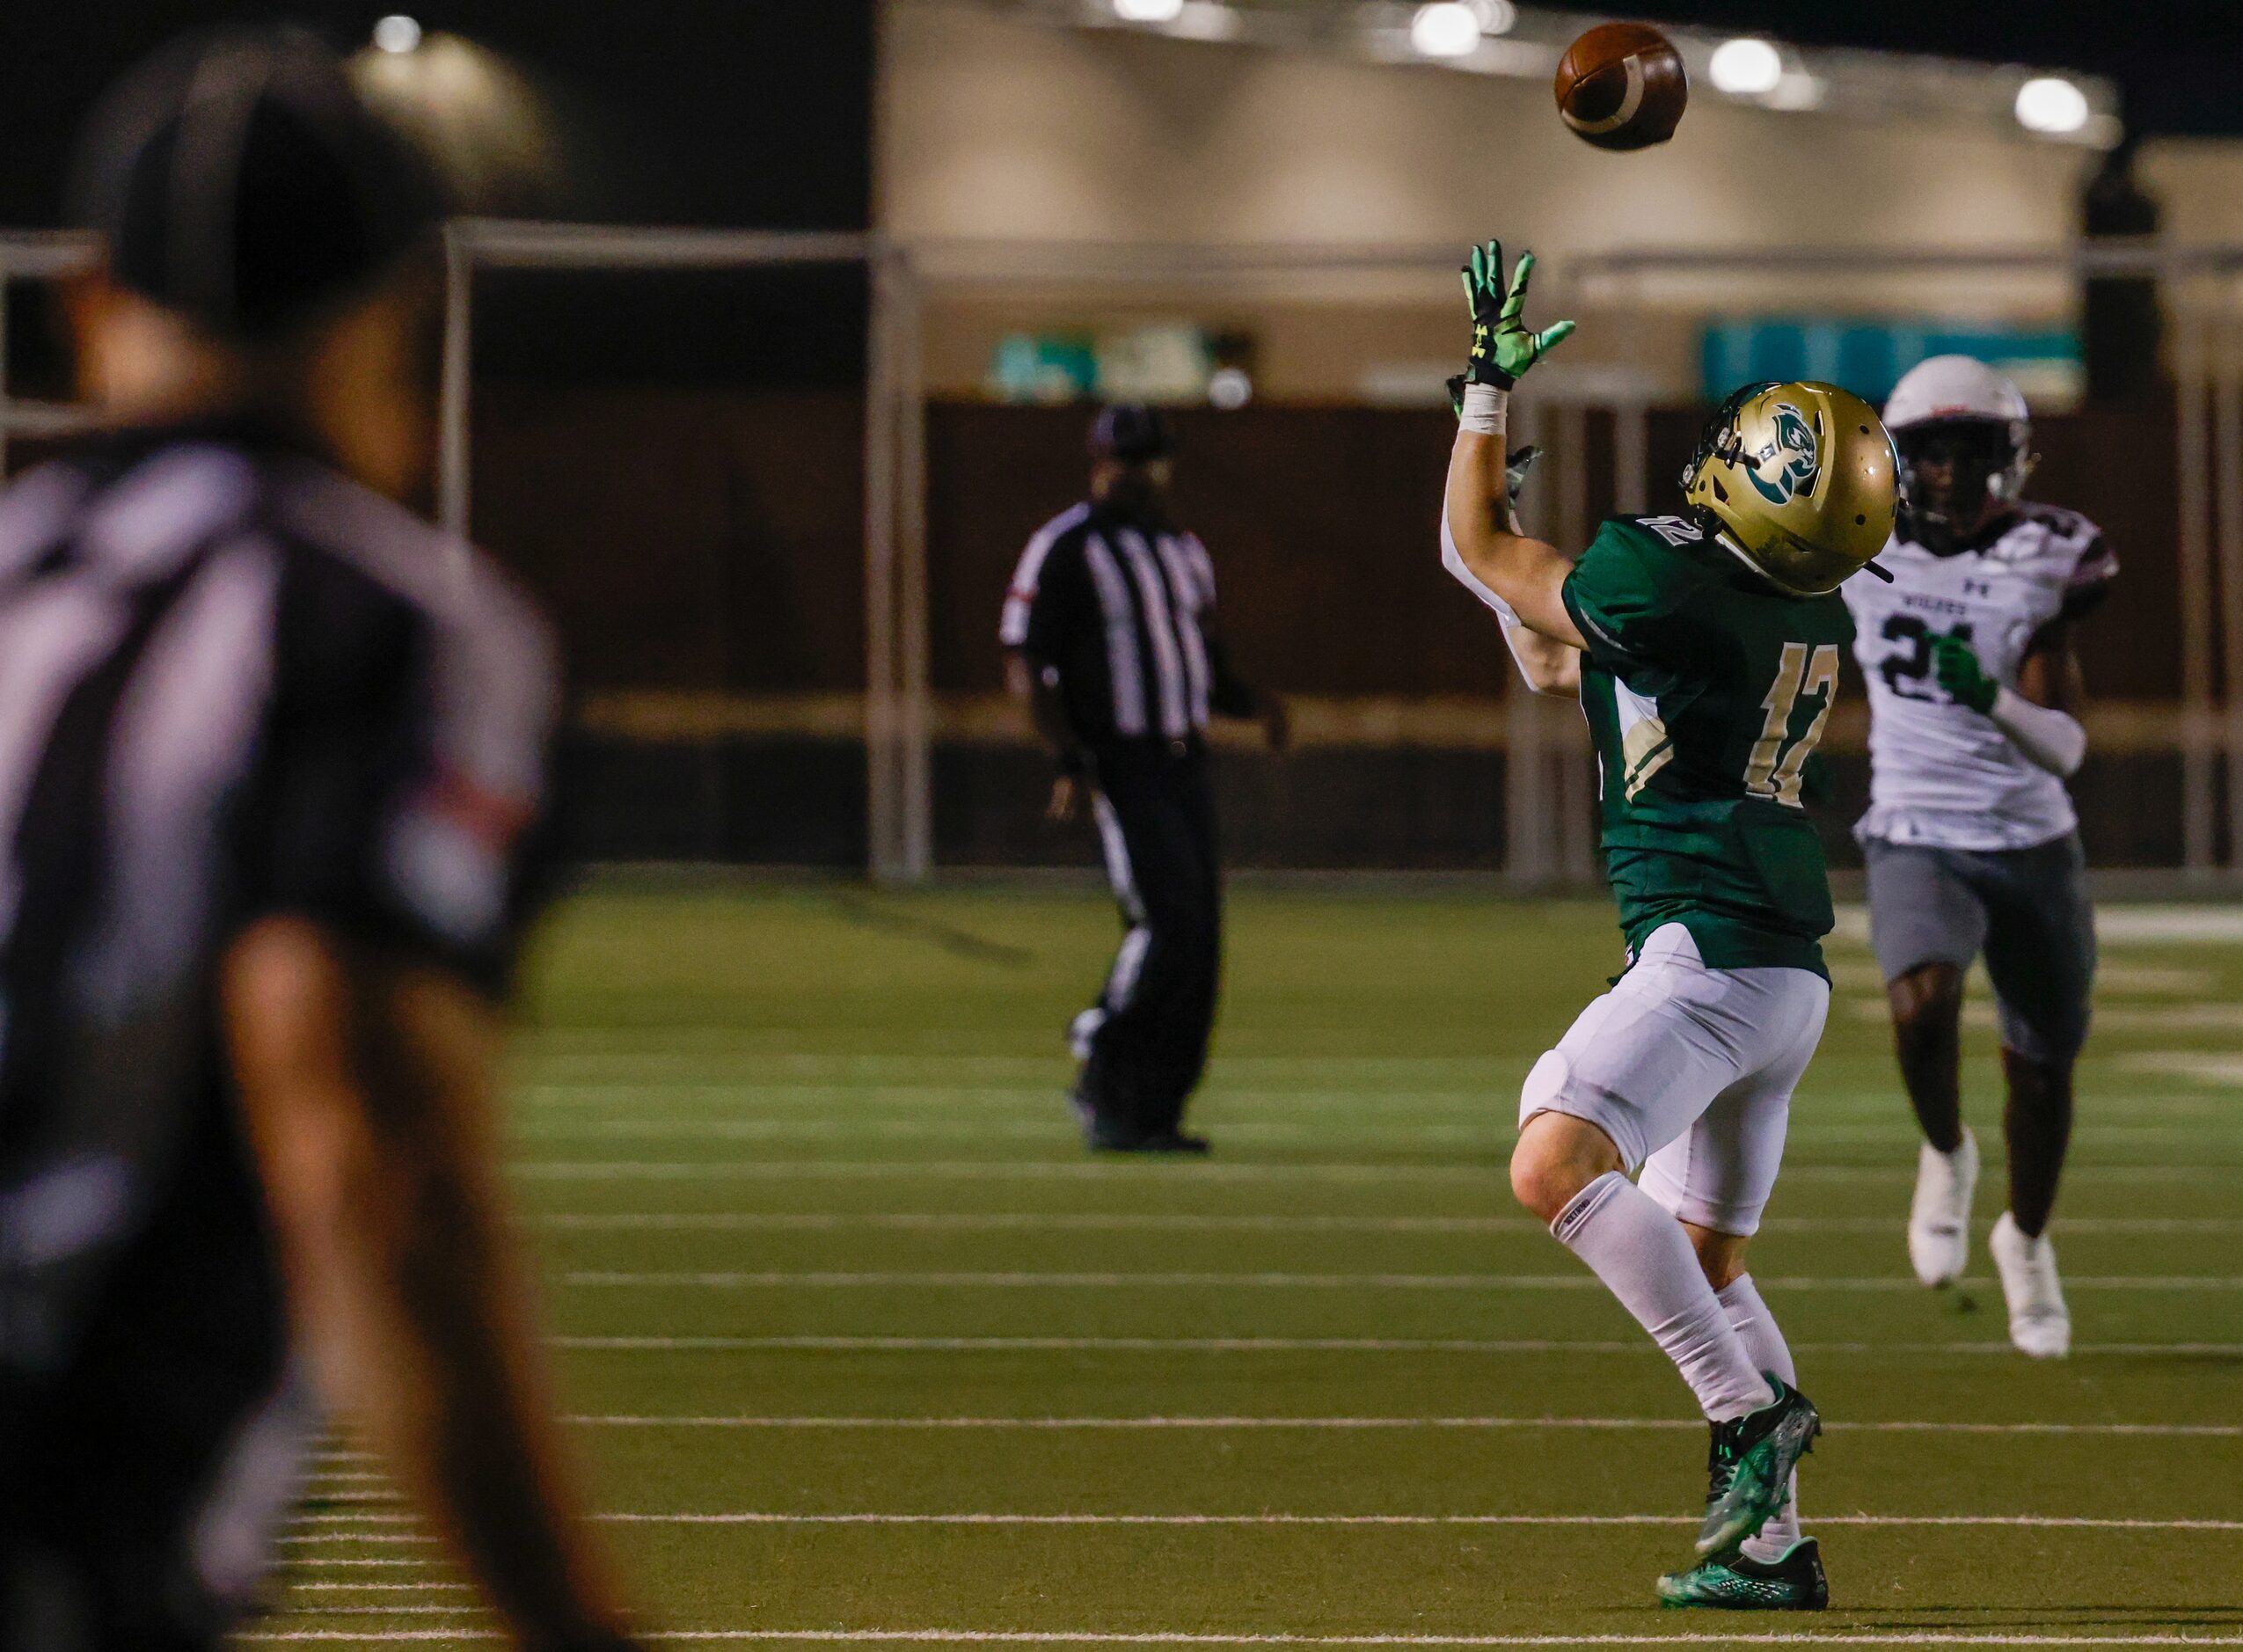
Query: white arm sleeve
column 2050, row 738
column 1453, row 559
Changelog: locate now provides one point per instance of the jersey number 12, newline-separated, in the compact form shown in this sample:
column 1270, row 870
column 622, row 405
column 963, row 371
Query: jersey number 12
column 1778, row 760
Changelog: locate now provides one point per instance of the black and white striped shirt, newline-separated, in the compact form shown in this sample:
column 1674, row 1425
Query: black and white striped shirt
column 232, row 685
column 1113, row 599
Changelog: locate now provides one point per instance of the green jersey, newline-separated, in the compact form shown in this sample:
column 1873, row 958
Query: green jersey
column 1705, row 690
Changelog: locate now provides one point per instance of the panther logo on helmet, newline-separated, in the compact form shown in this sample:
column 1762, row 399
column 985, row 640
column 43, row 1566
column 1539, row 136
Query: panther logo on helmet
column 1800, row 454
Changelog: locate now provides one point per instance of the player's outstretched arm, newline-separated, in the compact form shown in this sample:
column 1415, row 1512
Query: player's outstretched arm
column 2047, row 736
column 1548, row 666
column 366, row 1087
column 1518, row 576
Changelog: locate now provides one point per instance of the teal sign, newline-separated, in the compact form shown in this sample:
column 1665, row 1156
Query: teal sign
column 1868, row 355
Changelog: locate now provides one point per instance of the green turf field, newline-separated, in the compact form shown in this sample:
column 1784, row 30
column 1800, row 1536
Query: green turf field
column 858, row 1344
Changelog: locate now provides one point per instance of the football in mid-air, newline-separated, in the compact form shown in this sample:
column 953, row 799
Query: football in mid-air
column 1621, row 86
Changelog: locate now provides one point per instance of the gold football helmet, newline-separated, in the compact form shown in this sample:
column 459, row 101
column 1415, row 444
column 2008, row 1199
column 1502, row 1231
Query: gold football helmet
column 1800, row 481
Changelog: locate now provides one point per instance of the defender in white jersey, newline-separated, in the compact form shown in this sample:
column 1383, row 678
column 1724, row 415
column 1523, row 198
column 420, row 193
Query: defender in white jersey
column 1970, row 839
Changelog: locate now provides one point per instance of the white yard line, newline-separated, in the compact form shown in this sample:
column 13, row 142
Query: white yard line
column 907, row 1279
column 2146, row 923
column 1092, row 1637
column 1310, row 1344
column 457, row 1609
column 936, row 1221
column 760, row 1518
column 1490, row 1132
column 1055, row 1127
column 315, row 1584
column 2189, row 1430
column 1090, row 1170
column 978, row 1170
column 2201, row 1066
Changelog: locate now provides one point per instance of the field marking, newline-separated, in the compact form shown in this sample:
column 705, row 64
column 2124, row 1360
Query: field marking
column 2190, row 1430
column 999, row 1130
column 299, row 1563
column 1066, row 1637
column 1490, row 1132
column 937, row 1221
column 663, row 1044
column 1979, row 1016
column 1038, row 1281
column 2116, row 923
column 762, row 1517
column 2202, row 1066
column 433, row 1609
column 1304, row 1345
column 315, row 1583
column 1090, row 1169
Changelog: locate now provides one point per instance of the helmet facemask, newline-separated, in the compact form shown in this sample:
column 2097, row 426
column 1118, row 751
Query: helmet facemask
column 1957, row 478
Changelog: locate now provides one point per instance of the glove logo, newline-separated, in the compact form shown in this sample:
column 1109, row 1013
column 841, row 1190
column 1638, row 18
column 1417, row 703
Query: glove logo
column 1795, row 454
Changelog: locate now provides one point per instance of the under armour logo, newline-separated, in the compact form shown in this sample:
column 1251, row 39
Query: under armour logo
column 1976, row 587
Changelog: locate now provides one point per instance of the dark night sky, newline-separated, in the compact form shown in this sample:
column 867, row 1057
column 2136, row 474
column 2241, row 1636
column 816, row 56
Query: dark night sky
column 731, row 112
column 754, row 112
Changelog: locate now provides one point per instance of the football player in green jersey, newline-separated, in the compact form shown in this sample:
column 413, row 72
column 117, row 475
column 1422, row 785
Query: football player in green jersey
column 1705, row 647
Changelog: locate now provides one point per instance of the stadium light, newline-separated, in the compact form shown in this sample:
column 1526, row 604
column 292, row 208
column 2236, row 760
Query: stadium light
column 1229, row 389
column 1445, row 28
column 1148, row 10
column 396, row 35
column 2053, row 105
column 1746, row 67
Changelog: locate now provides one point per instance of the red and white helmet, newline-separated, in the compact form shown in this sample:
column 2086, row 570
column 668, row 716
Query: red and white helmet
column 1958, row 390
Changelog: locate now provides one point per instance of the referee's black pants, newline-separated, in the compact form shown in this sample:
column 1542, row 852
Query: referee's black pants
column 1143, row 1044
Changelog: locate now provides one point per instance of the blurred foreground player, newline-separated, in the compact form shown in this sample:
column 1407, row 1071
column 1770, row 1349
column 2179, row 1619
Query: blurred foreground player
column 1111, row 639
column 1706, row 650
column 1970, row 839
column 271, row 751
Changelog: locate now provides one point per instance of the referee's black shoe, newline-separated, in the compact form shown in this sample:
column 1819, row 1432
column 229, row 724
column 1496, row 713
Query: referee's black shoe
column 1106, row 1136
column 1103, row 1134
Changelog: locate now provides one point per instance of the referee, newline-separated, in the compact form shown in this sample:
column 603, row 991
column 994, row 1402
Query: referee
column 273, row 764
column 1110, row 638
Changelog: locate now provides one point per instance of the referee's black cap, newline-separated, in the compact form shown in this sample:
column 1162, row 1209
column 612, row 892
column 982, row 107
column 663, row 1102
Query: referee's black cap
column 238, row 179
column 1130, row 431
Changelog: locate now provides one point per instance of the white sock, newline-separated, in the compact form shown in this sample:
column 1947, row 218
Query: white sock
column 1645, row 1259
column 1763, row 1339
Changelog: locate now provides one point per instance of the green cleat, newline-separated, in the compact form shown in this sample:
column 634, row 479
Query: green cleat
column 1749, row 1466
column 1735, row 1582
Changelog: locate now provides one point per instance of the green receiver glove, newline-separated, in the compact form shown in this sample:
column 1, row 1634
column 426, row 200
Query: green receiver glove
column 1955, row 665
column 1502, row 348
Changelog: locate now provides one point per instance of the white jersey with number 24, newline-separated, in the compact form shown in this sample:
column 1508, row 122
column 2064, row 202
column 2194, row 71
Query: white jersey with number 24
column 1939, row 772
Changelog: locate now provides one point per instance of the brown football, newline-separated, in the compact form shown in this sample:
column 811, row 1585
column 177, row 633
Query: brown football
column 1621, row 86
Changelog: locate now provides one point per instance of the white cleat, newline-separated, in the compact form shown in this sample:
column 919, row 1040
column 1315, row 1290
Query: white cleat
column 2039, row 1323
column 1939, row 1220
